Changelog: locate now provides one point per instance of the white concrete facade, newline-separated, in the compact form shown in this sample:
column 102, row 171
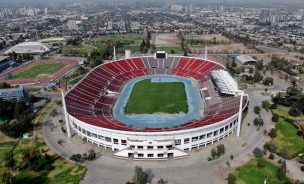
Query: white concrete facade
column 154, row 145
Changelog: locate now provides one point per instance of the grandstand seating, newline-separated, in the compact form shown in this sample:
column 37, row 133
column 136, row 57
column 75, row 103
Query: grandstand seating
column 88, row 100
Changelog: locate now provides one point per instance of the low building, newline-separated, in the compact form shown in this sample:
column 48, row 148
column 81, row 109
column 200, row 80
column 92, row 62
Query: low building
column 29, row 48
column 245, row 60
column 13, row 93
column 5, row 62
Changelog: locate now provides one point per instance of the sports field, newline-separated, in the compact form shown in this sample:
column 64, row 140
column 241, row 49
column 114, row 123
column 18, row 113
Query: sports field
column 39, row 70
column 166, row 97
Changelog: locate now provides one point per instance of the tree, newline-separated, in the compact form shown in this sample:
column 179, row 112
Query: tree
column 272, row 133
column 5, row 85
column 142, row 45
column 275, row 117
column 257, row 110
column 233, row 63
column 271, row 156
column 213, row 153
column 185, row 53
column 214, row 40
column 231, row 178
column 284, row 153
column 257, row 77
column 294, row 111
column 258, row 152
column 273, row 106
column 281, row 173
column 221, row 149
column 258, row 122
column 268, row 81
column 140, row 177
column 259, row 65
column 6, row 176
column 54, row 113
column 91, row 154
column 271, row 147
column 266, row 104
column 30, row 155
column 76, row 158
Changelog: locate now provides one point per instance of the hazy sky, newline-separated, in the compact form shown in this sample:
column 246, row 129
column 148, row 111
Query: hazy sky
column 266, row 3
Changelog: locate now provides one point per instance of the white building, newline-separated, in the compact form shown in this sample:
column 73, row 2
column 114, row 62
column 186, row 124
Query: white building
column 73, row 24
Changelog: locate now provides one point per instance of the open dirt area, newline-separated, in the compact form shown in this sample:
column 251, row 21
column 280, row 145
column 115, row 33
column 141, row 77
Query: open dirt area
column 233, row 48
column 219, row 37
column 166, row 39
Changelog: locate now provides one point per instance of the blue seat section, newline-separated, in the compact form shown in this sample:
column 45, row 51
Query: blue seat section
column 164, row 79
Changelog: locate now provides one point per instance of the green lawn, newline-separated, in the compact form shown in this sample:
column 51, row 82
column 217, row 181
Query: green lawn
column 53, row 169
column 149, row 98
column 287, row 138
column 283, row 112
column 175, row 49
column 76, row 50
column 42, row 69
column 56, row 171
column 4, row 148
column 34, row 89
column 121, row 38
column 131, row 42
column 75, row 80
column 251, row 174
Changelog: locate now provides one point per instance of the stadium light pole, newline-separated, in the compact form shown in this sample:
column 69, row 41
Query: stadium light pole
column 240, row 117
column 206, row 52
column 114, row 54
column 68, row 127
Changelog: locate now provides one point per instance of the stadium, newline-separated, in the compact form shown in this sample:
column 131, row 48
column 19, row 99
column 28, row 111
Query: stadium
column 155, row 107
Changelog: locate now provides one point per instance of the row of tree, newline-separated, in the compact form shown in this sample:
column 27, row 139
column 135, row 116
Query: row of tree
column 293, row 98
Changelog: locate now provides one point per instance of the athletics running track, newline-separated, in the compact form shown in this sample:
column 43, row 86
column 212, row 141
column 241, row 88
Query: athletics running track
column 70, row 64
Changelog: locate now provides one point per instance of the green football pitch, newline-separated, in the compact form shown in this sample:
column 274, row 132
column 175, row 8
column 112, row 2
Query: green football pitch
column 148, row 98
column 39, row 70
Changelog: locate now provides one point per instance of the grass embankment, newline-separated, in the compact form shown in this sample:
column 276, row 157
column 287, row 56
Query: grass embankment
column 287, row 137
column 250, row 173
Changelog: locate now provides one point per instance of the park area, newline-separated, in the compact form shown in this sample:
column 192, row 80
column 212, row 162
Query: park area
column 287, row 138
column 124, row 42
column 255, row 172
column 34, row 162
column 41, row 71
column 157, row 97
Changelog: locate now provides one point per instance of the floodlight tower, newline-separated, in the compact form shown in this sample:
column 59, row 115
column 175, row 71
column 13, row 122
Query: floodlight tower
column 114, row 54
column 206, row 52
column 240, row 116
column 68, row 126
